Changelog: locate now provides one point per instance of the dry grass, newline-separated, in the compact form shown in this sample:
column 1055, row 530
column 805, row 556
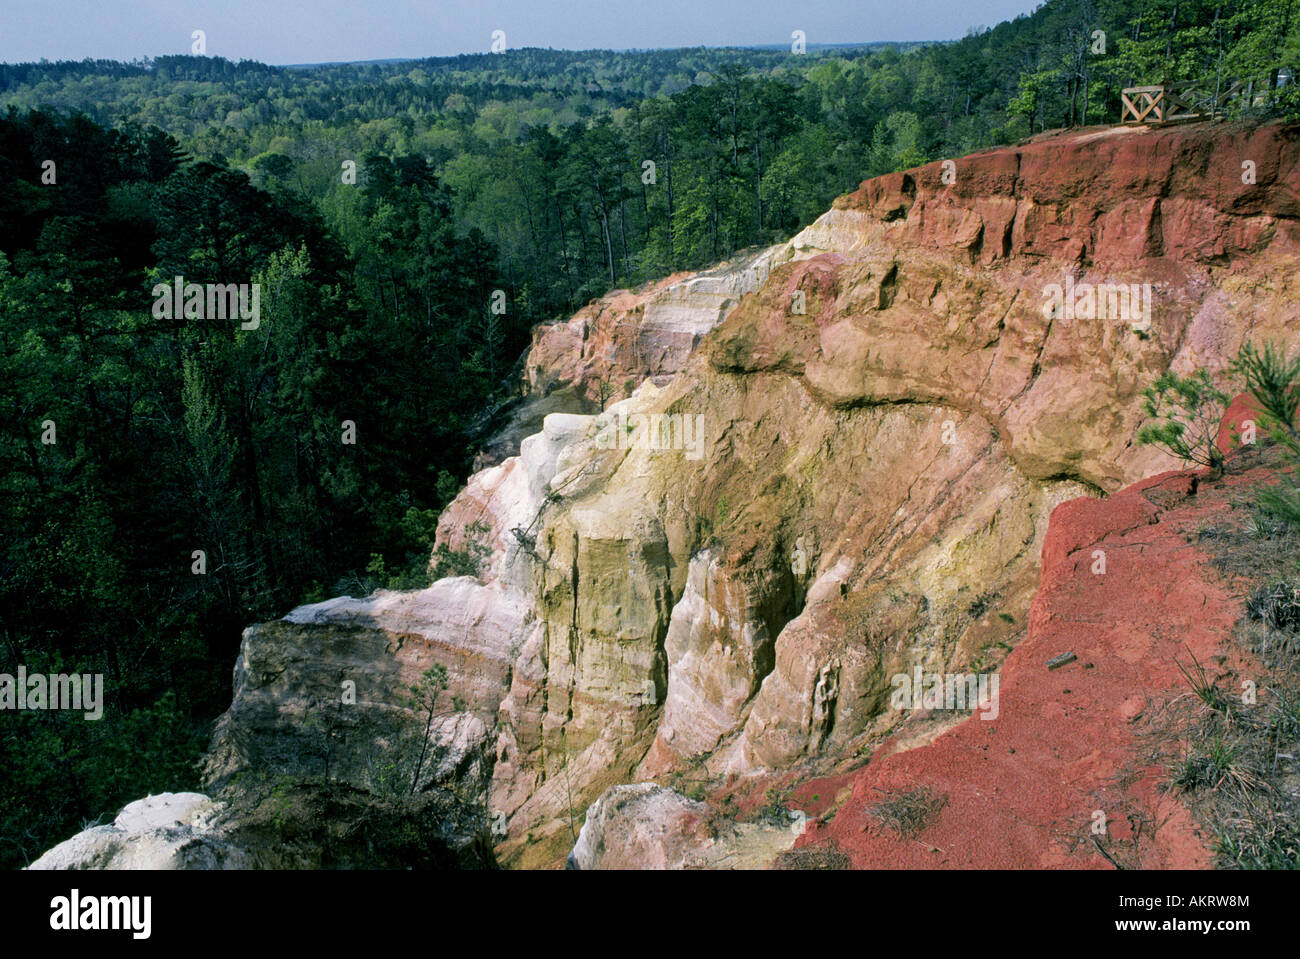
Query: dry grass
column 909, row 813
column 822, row 857
column 1235, row 762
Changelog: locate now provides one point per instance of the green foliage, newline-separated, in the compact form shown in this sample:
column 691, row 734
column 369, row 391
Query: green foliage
column 1188, row 411
column 424, row 696
column 1278, row 848
column 777, row 810
column 395, row 771
column 463, row 562
column 1282, row 501
column 541, row 151
column 447, row 488
column 1274, row 382
column 1199, row 682
column 1031, row 93
column 896, row 143
column 63, row 772
column 426, row 689
column 1206, row 769
column 195, row 434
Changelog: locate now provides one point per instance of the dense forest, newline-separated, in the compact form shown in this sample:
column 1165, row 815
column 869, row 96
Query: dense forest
column 546, row 152
column 166, row 480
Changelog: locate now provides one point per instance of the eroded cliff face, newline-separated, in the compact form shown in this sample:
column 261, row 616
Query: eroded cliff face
column 820, row 465
column 877, row 470
column 1086, row 742
column 608, row 348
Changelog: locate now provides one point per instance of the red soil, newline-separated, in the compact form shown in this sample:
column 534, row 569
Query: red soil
column 1022, row 789
column 1132, row 193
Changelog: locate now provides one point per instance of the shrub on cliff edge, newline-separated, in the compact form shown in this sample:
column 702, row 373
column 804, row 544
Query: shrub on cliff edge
column 1187, row 411
column 1274, row 382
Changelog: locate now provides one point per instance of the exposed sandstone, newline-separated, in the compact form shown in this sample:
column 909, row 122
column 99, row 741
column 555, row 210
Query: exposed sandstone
column 324, row 692
column 645, row 826
column 1023, row 790
column 913, row 427
column 169, row 831
column 872, row 493
column 614, row 343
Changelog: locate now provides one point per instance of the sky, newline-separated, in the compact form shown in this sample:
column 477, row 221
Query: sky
column 314, row 31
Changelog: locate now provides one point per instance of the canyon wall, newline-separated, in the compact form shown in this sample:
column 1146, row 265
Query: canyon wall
column 878, row 467
column 817, row 466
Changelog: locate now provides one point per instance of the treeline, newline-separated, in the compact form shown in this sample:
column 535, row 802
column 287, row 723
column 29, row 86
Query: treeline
column 545, row 152
column 166, row 479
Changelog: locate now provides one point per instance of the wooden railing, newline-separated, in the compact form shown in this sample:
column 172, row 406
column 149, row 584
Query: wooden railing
column 1189, row 100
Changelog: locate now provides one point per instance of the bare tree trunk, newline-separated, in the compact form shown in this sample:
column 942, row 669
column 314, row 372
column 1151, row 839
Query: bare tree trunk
column 609, row 247
column 622, row 229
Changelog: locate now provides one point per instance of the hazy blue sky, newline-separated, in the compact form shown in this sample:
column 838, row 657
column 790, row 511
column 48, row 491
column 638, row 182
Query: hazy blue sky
column 305, row 31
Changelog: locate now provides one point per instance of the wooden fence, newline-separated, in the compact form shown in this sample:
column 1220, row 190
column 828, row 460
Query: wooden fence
column 1178, row 102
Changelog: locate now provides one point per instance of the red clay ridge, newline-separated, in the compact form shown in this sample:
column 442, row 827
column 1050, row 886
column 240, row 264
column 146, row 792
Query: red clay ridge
column 1103, row 195
column 1022, row 790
